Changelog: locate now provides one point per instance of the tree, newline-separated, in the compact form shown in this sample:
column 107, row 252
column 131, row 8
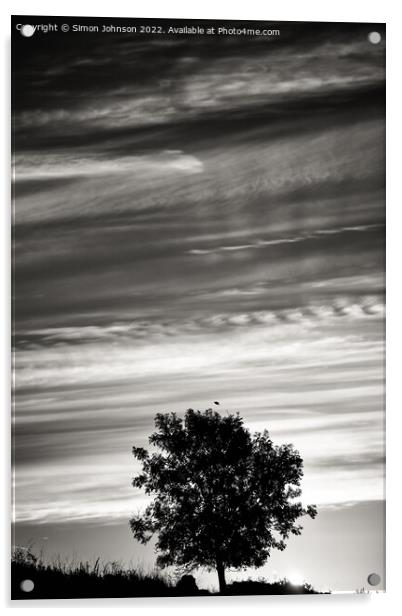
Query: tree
column 222, row 498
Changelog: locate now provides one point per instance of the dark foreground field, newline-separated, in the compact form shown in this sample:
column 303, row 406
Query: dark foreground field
column 86, row 580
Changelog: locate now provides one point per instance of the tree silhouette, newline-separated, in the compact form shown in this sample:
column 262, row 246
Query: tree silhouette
column 222, row 498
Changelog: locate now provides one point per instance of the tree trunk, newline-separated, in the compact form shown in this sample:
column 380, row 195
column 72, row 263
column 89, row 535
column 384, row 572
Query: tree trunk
column 221, row 576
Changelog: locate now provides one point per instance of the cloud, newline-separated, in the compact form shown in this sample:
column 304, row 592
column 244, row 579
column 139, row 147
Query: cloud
column 288, row 240
column 178, row 79
column 59, row 166
column 366, row 308
column 197, row 220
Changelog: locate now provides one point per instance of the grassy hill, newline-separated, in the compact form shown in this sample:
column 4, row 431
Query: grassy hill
column 60, row 580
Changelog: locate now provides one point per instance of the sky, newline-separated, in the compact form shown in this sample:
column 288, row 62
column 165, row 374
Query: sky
column 195, row 219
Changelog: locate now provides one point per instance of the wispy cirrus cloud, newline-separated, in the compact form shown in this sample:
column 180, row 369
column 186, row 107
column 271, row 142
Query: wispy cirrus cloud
column 308, row 315
column 285, row 240
column 43, row 167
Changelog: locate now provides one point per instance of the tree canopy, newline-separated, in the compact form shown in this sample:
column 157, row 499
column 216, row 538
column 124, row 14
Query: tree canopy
column 222, row 497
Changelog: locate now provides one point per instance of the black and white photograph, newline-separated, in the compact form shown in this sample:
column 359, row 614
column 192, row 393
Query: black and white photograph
column 198, row 307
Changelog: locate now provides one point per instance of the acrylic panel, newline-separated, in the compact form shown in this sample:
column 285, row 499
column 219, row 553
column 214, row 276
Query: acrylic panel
column 198, row 237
